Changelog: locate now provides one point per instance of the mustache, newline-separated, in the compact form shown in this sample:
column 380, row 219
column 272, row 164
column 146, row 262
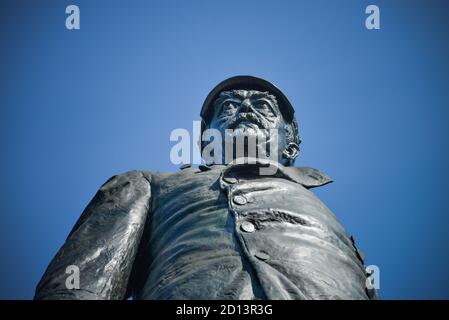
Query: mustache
column 250, row 117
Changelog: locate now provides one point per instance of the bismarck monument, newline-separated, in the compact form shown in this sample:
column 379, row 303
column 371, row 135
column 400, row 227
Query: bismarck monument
column 220, row 231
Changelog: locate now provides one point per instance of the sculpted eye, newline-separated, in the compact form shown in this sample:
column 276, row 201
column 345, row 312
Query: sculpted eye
column 264, row 108
column 228, row 109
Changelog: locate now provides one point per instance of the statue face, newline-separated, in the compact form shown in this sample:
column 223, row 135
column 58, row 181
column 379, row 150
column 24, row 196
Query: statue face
column 250, row 113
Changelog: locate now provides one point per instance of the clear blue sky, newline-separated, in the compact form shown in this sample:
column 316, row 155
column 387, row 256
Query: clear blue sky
column 80, row 106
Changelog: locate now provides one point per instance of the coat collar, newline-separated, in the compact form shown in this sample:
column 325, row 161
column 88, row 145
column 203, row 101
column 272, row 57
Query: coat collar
column 306, row 176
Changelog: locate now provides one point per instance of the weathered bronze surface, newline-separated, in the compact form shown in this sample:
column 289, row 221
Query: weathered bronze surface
column 221, row 231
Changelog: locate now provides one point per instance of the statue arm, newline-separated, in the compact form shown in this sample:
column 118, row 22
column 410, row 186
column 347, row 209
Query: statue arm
column 103, row 243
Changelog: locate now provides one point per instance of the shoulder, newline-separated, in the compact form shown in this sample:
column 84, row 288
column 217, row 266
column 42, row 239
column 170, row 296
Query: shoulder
column 129, row 181
column 128, row 176
column 136, row 178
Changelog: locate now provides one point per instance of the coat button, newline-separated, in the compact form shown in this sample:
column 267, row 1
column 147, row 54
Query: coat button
column 247, row 227
column 262, row 255
column 239, row 200
column 230, row 180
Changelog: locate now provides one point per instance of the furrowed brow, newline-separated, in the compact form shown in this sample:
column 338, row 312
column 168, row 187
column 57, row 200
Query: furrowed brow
column 219, row 103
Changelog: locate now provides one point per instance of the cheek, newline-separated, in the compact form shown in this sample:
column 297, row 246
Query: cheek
column 219, row 125
column 275, row 123
column 216, row 123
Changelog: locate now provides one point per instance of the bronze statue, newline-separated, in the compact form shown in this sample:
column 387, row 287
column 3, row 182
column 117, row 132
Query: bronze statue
column 220, row 231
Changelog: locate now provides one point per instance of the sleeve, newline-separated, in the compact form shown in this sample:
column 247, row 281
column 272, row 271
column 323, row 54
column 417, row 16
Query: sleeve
column 97, row 258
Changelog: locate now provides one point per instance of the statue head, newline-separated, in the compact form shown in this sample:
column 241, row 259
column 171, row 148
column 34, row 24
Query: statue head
column 254, row 110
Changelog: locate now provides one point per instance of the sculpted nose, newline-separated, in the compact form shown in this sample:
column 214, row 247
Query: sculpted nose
column 245, row 105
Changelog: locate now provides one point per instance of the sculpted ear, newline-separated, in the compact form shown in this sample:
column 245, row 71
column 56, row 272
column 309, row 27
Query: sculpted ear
column 290, row 152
